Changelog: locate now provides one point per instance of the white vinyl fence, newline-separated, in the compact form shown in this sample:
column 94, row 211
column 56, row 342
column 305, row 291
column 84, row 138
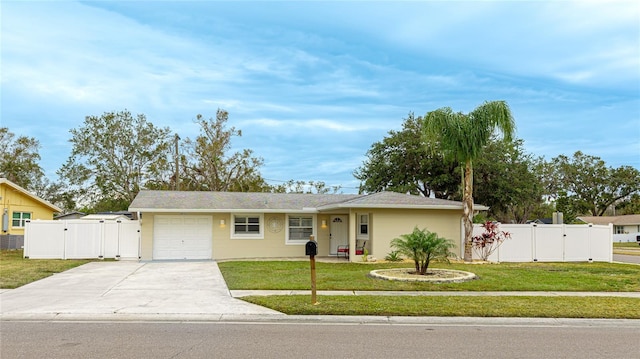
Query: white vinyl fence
column 553, row 243
column 82, row 239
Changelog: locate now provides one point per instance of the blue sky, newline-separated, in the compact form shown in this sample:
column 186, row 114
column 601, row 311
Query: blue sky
column 313, row 84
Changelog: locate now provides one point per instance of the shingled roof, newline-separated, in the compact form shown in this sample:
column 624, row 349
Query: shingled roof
column 186, row 201
column 629, row 219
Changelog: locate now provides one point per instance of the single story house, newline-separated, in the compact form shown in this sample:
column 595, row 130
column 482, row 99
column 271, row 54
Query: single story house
column 18, row 206
column 106, row 217
column 226, row 225
column 629, row 223
column 70, row 215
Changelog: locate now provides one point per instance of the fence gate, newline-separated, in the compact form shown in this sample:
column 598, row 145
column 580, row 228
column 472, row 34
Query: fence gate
column 82, row 239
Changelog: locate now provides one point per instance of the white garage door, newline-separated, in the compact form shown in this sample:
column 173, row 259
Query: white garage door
column 182, row 237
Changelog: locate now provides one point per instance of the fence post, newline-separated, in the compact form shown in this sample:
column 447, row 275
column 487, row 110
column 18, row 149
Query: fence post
column 534, row 249
column 102, row 229
column 25, row 251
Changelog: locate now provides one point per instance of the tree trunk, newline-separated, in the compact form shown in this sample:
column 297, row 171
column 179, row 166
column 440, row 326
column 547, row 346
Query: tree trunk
column 467, row 200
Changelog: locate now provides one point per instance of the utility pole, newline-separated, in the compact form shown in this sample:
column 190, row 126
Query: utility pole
column 177, row 186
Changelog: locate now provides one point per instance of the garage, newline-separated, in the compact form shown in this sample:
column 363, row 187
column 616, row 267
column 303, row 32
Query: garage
column 182, row 237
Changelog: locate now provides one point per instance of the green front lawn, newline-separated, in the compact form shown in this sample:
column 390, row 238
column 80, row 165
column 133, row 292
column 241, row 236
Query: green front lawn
column 596, row 277
column 451, row 306
column 295, row 275
column 16, row 271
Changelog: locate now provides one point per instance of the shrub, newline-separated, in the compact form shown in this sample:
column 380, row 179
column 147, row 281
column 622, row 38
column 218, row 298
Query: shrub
column 486, row 243
column 393, row 256
column 422, row 247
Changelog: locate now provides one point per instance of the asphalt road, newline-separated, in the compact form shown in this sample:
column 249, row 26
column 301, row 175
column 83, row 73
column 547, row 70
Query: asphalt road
column 315, row 340
column 626, row 259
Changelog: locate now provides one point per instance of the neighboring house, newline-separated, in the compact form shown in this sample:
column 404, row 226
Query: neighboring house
column 70, row 215
column 224, row 225
column 107, row 217
column 629, row 223
column 19, row 206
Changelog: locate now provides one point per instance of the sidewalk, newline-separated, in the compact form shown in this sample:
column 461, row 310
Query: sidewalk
column 246, row 293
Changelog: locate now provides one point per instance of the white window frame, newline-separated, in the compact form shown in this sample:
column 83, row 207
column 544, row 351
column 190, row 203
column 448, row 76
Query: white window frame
column 314, row 227
column 232, row 226
column 22, row 220
column 359, row 234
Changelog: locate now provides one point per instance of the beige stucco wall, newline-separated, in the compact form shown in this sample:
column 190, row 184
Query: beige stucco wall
column 224, row 247
column 15, row 201
column 387, row 224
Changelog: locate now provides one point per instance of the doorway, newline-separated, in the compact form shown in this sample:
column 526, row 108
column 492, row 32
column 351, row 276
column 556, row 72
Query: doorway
column 339, row 233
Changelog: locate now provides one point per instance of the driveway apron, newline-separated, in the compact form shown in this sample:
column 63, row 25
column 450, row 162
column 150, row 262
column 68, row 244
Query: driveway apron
column 129, row 288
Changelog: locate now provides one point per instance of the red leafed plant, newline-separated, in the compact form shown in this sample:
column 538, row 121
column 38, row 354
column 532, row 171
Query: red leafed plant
column 486, row 243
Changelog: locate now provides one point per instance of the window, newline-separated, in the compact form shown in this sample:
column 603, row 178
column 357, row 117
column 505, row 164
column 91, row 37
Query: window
column 363, row 226
column 19, row 218
column 299, row 228
column 618, row 229
column 247, row 226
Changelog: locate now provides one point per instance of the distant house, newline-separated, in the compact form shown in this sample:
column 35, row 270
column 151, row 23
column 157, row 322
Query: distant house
column 107, row 217
column 18, row 207
column 70, row 215
column 225, row 225
column 629, row 223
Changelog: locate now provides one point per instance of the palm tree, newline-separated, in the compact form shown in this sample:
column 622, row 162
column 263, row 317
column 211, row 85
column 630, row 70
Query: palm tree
column 423, row 247
column 462, row 137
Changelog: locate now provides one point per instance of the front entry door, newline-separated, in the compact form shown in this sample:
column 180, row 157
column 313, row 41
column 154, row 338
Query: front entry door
column 339, row 233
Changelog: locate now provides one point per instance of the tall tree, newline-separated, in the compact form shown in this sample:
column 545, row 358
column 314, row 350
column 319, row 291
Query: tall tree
column 292, row 186
column 209, row 165
column 405, row 162
column 114, row 156
column 506, row 179
column 590, row 186
column 462, row 137
column 19, row 159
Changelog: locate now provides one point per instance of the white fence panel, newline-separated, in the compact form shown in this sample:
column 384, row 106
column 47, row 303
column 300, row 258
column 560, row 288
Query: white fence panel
column 129, row 245
column 82, row 239
column 46, row 240
column 519, row 248
column 577, row 243
column 121, row 239
column 601, row 243
column 111, row 237
column 553, row 243
column 548, row 243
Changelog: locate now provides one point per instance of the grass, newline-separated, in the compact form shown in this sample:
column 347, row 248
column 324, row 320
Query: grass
column 596, row 277
column 295, row 275
column 15, row 271
column 536, row 307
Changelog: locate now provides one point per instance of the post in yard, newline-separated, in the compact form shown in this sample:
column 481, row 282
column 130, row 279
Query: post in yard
column 311, row 249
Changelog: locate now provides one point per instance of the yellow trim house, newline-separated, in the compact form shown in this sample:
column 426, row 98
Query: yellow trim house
column 19, row 205
column 226, row 225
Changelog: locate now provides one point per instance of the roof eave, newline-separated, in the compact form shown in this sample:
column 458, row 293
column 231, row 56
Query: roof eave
column 47, row 204
column 398, row 206
column 218, row 210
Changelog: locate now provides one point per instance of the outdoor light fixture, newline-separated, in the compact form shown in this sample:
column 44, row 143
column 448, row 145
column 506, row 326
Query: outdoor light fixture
column 222, row 222
column 324, row 223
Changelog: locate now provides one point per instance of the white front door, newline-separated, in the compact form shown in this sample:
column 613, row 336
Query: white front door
column 182, row 237
column 339, row 233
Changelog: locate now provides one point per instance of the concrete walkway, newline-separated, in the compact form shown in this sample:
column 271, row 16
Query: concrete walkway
column 128, row 290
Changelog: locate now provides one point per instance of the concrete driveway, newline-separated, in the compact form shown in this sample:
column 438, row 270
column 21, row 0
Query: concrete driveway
column 129, row 290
